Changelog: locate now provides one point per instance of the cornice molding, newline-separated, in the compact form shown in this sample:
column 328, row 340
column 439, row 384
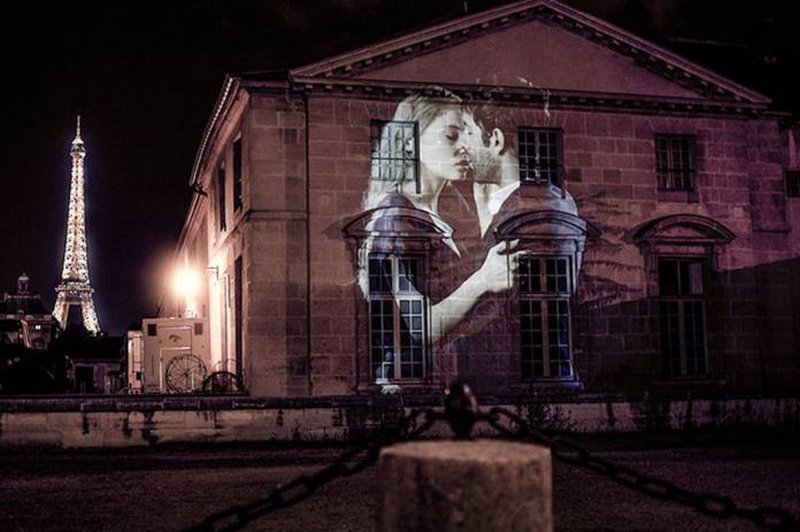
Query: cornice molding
column 564, row 100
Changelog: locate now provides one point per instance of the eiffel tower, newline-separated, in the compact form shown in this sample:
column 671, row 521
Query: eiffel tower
column 74, row 289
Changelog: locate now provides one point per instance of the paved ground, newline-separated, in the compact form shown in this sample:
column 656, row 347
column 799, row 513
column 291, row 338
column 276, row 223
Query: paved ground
column 173, row 488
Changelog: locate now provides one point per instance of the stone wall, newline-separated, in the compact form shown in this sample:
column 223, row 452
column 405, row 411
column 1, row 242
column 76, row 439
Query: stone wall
column 140, row 422
column 308, row 166
column 610, row 170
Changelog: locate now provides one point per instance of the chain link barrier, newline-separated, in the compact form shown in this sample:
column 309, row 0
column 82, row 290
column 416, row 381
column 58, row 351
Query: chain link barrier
column 301, row 488
column 462, row 413
column 717, row 506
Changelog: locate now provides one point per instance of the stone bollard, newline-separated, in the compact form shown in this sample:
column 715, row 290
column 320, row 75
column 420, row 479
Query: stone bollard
column 479, row 485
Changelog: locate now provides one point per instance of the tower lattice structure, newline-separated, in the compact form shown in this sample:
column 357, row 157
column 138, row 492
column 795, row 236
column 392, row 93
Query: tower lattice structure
column 75, row 289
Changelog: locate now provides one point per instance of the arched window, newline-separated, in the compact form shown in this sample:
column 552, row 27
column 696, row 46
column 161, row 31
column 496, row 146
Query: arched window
column 680, row 253
column 391, row 246
column 546, row 280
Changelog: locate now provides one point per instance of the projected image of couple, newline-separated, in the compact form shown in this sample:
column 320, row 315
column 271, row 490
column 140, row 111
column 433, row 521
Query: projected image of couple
column 455, row 171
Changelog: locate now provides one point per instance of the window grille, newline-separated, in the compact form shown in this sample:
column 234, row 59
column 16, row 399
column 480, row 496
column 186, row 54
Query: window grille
column 541, row 155
column 394, row 151
column 675, row 162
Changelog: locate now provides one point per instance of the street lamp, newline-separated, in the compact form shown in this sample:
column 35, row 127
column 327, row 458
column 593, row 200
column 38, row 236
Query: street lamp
column 186, row 284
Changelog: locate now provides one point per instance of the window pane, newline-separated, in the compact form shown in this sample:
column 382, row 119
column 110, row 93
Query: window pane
column 394, row 151
column 237, row 174
column 670, row 337
column 680, row 277
column 532, row 345
column 694, row 326
column 675, row 161
column 397, row 323
column 380, row 275
column 529, row 275
column 695, row 278
column 539, row 155
column 407, row 275
column 544, row 321
column 382, row 338
column 558, row 336
column 221, row 197
column 556, row 275
column 793, row 184
column 668, row 284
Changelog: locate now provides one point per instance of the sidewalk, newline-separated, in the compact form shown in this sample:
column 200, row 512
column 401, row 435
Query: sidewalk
column 171, row 488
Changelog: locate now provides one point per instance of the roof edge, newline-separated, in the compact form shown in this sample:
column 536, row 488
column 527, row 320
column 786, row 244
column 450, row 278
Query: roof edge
column 223, row 100
column 581, row 19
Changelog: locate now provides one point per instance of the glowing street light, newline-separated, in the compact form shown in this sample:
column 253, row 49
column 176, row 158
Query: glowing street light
column 186, row 284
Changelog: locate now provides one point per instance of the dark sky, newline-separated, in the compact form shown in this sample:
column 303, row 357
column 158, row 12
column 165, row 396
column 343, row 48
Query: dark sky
column 145, row 75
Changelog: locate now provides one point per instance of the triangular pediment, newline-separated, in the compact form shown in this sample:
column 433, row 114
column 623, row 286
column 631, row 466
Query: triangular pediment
column 538, row 44
column 544, row 55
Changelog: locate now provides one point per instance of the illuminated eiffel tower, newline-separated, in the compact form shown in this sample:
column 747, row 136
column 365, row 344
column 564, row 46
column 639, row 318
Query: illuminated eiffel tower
column 74, row 289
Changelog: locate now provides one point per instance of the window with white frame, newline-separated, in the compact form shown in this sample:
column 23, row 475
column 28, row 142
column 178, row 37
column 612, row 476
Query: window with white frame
column 682, row 315
column 397, row 318
column 541, row 155
column 544, row 291
column 395, row 154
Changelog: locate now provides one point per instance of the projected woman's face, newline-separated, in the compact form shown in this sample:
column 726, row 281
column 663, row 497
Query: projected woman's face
column 444, row 146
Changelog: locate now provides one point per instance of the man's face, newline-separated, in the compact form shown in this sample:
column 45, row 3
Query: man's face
column 485, row 157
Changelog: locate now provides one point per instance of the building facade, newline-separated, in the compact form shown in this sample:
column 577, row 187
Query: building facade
column 24, row 319
column 528, row 198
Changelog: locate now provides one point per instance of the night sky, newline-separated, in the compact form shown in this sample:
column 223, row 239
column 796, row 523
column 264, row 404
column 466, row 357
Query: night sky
column 145, row 76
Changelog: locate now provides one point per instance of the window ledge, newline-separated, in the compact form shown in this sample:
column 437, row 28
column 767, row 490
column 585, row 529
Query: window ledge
column 396, row 387
column 550, row 384
column 703, row 381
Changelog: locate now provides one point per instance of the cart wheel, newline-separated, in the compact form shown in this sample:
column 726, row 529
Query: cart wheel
column 222, row 382
column 185, row 374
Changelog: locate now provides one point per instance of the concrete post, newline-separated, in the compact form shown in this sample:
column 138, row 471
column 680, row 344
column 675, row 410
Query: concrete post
column 480, row 485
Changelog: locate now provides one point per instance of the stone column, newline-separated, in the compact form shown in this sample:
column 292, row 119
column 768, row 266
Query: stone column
column 480, row 485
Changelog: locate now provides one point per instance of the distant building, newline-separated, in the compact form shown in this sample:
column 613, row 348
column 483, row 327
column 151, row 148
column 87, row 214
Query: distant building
column 528, row 198
column 24, row 319
column 96, row 361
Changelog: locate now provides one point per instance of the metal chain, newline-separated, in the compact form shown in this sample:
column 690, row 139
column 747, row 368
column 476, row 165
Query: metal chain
column 461, row 412
column 299, row 489
column 712, row 505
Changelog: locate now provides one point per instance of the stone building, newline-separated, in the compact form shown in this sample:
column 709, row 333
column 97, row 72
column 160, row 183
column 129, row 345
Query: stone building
column 528, row 198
